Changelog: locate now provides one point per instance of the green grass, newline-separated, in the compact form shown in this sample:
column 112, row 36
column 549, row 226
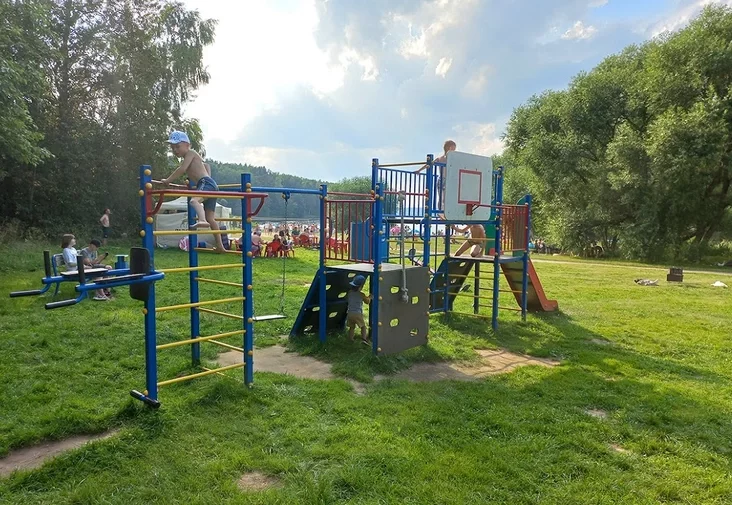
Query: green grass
column 658, row 360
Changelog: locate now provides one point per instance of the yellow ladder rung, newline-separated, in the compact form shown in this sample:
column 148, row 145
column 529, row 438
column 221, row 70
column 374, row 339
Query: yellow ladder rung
column 207, row 231
column 472, row 296
column 200, row 374
column 218, row 313
column 205, row 267
column 232, row 347
column 509, row 291
column 222, row 283
column 510, row 308
column 206, row 249
column 200, row 304
column 484, row 316
column 199, row 339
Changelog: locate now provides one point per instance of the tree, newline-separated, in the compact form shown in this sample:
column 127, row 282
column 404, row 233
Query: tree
column 636, row 152
column 91, row 90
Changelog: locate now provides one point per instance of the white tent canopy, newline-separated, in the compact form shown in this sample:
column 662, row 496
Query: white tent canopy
column 173, row 215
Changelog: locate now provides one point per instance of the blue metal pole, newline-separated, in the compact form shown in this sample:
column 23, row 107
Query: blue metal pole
column 376, row 255
column 427, row 236
column 525, row 278
column 497, row 257
column 151, row 363
column 247, row 282
column 322, row 273
column 193, row 283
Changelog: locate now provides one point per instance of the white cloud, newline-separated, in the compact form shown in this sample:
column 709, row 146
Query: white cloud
column 477, row 83
column 479, row 138
column 681, row 17
column 598, row 3
column 443, row 66
column 580, row 31
column 319, row 87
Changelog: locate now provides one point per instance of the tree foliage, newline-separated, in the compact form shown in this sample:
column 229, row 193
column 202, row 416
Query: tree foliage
column 637, row 153
column 89, row 91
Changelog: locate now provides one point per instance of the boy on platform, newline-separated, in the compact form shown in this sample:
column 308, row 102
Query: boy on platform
column 356, row 299
column 198, row 173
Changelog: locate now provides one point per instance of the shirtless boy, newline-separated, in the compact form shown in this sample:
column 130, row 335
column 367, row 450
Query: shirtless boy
column 476, row 242
column 199, row 173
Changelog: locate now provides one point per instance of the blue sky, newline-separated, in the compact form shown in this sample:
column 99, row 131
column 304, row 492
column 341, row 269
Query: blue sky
column 318, row 88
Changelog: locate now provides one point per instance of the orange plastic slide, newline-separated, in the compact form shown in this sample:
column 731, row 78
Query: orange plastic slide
column 536, row 299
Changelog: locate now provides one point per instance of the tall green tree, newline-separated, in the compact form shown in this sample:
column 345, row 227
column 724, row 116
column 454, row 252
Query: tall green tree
column 636, row 154
column 96, row 87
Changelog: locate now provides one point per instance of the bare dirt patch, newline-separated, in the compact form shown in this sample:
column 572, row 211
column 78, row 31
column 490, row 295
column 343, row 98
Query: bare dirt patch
column 617, row 448
column 492, row 362
column 600, row 341
column 277, row 359
column 598, row 413
column 30, row 458
column 257, row 481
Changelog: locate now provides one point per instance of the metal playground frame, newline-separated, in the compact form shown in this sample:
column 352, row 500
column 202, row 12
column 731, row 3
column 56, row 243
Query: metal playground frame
column 356, row 231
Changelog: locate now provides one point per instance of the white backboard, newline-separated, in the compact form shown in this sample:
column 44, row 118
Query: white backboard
column 468, row 184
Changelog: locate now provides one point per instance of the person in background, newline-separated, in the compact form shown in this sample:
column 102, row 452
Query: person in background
column 105, row 226
column 92, row 259
column 68, row 241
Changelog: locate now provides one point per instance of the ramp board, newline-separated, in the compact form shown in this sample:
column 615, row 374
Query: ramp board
column 449, row 266
column 403, row 324
column 536, row 299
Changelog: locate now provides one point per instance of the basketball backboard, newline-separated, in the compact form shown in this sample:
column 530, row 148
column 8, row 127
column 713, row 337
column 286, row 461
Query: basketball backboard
column 468, row 187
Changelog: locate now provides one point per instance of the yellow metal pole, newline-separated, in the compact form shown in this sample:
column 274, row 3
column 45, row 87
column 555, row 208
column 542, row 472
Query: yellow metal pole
column 199, row 339
column 468, row 295
column 224, row 314
column 223, row 283
column 199, row 304
column 200, row 374
column 207, row 267
column 232, row 347
column 209, row 194
column 190, row 232
column 206, row 249
column 510, row 308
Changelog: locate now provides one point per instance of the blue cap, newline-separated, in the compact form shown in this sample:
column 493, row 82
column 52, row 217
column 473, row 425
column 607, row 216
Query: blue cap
column 358, row 281
column 176, row 137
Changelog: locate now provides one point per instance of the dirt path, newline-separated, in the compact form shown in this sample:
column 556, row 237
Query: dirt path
column 277, row 359
column 34, row 457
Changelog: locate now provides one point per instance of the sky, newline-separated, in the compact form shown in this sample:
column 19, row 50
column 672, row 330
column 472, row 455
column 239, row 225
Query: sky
column 317, row 88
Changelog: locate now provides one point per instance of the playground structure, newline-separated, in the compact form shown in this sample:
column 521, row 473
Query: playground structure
column 463, row 190
column 355, row 238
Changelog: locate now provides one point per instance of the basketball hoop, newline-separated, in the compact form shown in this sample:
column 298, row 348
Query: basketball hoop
column 468, row 187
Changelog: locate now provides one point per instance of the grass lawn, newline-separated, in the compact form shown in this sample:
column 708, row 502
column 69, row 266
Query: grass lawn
column 654, row 364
